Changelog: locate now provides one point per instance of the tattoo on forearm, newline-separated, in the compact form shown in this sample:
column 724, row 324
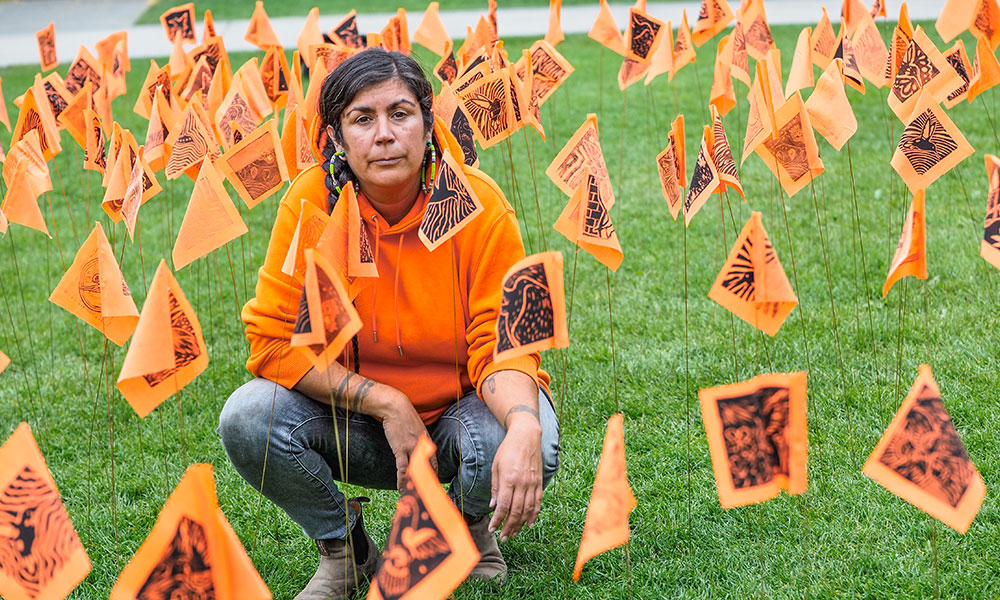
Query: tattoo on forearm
column 344, row 396
column 519, row 408
column 491, row 385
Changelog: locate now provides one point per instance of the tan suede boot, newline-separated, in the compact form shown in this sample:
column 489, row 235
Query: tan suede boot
column 491, row 565
column 339, row 574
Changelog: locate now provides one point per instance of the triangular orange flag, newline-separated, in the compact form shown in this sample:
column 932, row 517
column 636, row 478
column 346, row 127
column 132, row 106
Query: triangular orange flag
column 208, row 30
column 791, row 152
column 192, row 141
column 611, row 501
column 346, row 32
column 256, row 166
column 253, row 83
column 554, row 34
column 586, row 221
column 582, row 153
column 180, row 63
column 985, row 72
column 684, row 52
column 309, row 37
column 429, row 551
column 126, row 159
column 830, row 112
column 94, row 153
column 210, row 221
column 986, row 22
column 191, row 545
column 667, row 166
column 722, row 156
column 921, row 458
column 157, row 151
column 758, row 437
column 878, row 9
column 326, row 320
column 308, row 229
column 704, row 180
column 346, row 243
column 740, row 67
column 930, row 145
column 452, row 204
column 94, row 290
column 800, row 75
column 179, row 20
column 752, row 284
column 24, row 186
column 870, row 50
column 757, row 31
column 156, row 77
column 959, row 60
column 532, row 314
column 43, row 556
column 430, row 33
column 923, row 68
column 714, row 17
column 851, row 12
column 72, row 117
column 722, row 96
column 823, row 42
column 259, row 31
column 989, row 248
column 133, row 196
column 911, row 253
column 167, row 350
column 605, row 31
column 37, row 117
column 46, row 39
column 291, row 147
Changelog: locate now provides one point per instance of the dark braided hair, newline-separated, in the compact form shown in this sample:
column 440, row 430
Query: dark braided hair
column 359, row 72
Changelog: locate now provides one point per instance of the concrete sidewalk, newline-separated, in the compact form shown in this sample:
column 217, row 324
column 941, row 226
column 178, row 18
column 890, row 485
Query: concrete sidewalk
column 80, row 22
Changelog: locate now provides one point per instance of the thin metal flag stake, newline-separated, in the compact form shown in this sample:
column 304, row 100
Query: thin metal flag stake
column 864, row 261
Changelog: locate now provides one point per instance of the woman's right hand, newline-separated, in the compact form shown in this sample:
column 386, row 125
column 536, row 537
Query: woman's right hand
column 403, row 428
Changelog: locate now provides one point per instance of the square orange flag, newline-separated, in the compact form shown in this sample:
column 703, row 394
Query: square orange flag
column 644, row 34
column 923, row 68
column 605, row 31
column 921, row 458
column 870, row 51
column 740, row 67
column 581, row 153
column 989, row 248
column 47, row 47
column 830, row 112
column 911, row 254
column 179, row 20
column 256, row 165
column 27, row 177
column 192, row 551
column 451, row 205
column 800, row 75
column 714, row 17
column 429, row 551
column 662, row 61
column 791, row 152
column 210, row 221
column 752, row 284
column 94, row 290
column 704, row 180
column 43, row 556
column 448, row 109
column 549, row 69
column 84, row 67
column 823, row 42
column 586, row 221
column 955, row 17
column 490, row 108
column 327, row 320
column 533, row 307
column 757, row 31
column 758, row 437
column 930, row 145
column 985, row 71
column 611, row 500
column 446, row 69
column 167, row 350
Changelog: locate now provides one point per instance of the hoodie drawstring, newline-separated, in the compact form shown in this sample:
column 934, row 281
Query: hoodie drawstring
column 378, row 238
column 395, row 292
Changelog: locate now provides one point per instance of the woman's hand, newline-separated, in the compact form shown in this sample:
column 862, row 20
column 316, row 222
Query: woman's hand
column 403, row 428
column 517, row 476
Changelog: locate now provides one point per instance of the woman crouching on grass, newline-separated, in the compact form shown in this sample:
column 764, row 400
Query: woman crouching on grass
column 499, row 451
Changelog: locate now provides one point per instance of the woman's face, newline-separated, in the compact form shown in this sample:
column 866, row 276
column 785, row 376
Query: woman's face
column 384, row 140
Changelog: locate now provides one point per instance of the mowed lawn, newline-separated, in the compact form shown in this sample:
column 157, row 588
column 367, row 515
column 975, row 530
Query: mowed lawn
column 846, row 537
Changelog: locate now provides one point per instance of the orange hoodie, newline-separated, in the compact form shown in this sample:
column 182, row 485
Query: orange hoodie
column 429, row 320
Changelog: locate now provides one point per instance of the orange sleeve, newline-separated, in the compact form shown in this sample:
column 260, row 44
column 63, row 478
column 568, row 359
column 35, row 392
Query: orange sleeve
column 270, row 315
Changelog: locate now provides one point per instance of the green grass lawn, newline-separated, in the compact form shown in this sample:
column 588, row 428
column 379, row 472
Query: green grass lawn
column 846, row 537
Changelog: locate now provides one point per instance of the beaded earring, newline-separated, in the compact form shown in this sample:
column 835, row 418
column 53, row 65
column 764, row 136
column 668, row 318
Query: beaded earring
column 425, row 184
column 333, row 175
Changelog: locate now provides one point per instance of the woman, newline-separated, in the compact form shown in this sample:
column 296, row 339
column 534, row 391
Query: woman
column 418, row 352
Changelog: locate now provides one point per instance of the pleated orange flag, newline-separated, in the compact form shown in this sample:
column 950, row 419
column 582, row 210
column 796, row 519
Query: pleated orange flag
column 210, row 221
column 791, row 153
column 930, row 145
column 326, row 318
column 94, row 290
column 714, row 17
column 605, row 31
column 192, row 140
column 43, row 556
column 256, row 165
column 722, row 96
column 985, row 71
column 429, row 551
column 985, row 23
column 430, row 33
column 722, row 156
column 167, row 351
column 36, row 115
column 757, row 31
column 532, row 313
column 830, row 112
column 346, row 243
column 959, row 60
column 668, row 168
column 611, row 501
column 582, row 153
column 911, row 253
column 586, row 221
column 989, row 248
column 179, row 20
column 684, row 53
column 758, row 437
column 27, row 177
column 800, row 75
column 309, row 36
column 191, row 550
column 851, row 70
column 823, row 42
column 869, row 50
column 308, row 229
column 489, row 104
column 259, row 31
column 46, row 39
column 452, row 204
column 921, row 458
column 554, row 34
column 275, row 74
column 704, row 180
column 752, row 284
column 923, row 68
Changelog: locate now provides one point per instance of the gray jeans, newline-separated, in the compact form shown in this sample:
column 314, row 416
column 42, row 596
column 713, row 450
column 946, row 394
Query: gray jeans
column 300, row 445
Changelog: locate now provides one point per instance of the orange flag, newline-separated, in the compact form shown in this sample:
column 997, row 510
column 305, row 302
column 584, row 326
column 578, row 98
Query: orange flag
column 758, row 437
column 156, row 78
column 911, row 254
column 752, row 284
column 294, row 146
column 208, row 30
column 722, row 96
column 180, row 63
column 676, row 137
column 986, row 22
column 430, row 33
column 644, row 35
column 4, row 359
column 308, row 229
column 346, row 32
column 256, row 166
column 740, row 67
column 117, row 65
column 923, row 68
column 757, row 31
column 43, row 556
column 989, row 248
column 259, row 31
column 605, row 31
column 210, row 221
column 791, row 152
column 921, row 459
column 447, row 108
column 191, row 547
column 722, row 156
column 704, row 180
column 72, row 117
column 490, row 108
column 532, row 314
column 661, row 61
column 94, row 290
column 800, row 76
column 851, row 70
column 4, row 117
column 823, row 42
column 84, row 67
column 157, row 151
column 179, row 20
column 898, row 44
column 554, row 34
column 829, row 110
column 878, row 9
column 452, row 204
column 549, row 69
column 127, row 159
column 959, row 61
column 870, row 50
column 46, row 39
column 154, row 369
column 429, row 551
column 683, row 48
column 851, row 12
column 667, row 166
column 985, row 72
column 37, row 117
column 714, row 17
column 192, row 141
column 586, row 221
column 955, row 18
column 309, row 37
column 133, row 196
column 395, row 36
column 611, row 501
column 446, row 69
column 760, row 116
column 930, row 145
column 94, row 153
column 253, row 83
column 582, row 153
column 27, row 177
column 326, row 319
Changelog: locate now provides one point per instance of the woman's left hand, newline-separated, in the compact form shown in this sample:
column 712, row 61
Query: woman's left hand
column 517, row 476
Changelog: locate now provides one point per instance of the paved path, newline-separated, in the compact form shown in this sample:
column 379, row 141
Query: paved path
column 87, row 21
